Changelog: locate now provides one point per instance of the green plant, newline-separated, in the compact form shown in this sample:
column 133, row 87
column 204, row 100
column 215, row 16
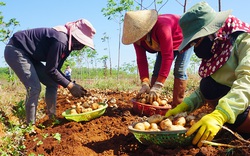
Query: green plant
column 12, row 142
column 57, row 136
column 19, row 110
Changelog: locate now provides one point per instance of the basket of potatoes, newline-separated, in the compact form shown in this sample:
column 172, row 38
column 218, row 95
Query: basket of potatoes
column 143, row 107
column 165, row 132
column 85, row 111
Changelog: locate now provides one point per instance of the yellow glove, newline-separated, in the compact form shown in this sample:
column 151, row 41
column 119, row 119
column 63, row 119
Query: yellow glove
column 182, row 107
column 208, row 126
column 155, row 92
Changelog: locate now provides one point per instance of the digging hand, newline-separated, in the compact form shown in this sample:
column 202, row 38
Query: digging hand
column 145, row 88
column 207, row 127
column 77, row 90
column 155, row 92
column 182, row 107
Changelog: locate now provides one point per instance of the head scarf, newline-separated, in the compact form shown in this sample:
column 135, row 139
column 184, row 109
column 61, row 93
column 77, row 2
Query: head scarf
column 222, row 46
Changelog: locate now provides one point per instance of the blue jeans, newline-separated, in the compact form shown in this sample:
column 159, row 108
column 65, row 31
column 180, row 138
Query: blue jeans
column 31, row 73
column 180, row 66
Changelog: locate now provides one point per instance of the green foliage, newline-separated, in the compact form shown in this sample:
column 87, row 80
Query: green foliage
column 129, row 68
column 4, row 73
column 57, row 136
column 6, row 27
column 115, row 8
column 12, row 142
column 19, row 110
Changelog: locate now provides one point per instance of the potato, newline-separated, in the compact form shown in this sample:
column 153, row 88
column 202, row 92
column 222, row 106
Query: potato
column 79, row 109
column 95, row 106
column 159, row 100
column 139, row 126
column 73, row 111
column 146, row 125
column 154, row 126
column 166, row 124
column 155, row 103
column 143, row 100
column 163, row 102
column 85, row 105
column 176, row 128
column 180, row 121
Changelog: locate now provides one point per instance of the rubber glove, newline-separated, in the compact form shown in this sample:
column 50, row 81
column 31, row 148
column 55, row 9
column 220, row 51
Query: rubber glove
column 182, row 107
column 77, row 90
column 208, row 126
column 145, row 88
column 155, row 92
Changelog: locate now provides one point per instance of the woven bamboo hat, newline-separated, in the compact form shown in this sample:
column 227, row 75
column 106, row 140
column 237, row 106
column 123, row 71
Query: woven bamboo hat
column 137, row 24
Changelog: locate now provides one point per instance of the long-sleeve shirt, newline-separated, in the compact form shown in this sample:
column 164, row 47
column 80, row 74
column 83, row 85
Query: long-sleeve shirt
column 167, row 35
column 45, row 45
column 235, row 73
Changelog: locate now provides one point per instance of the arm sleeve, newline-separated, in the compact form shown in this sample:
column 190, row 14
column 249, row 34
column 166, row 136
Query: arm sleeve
column 195, row 100
column 165, row 40
column 142, row 62
column 237, row 99
column 53, row 65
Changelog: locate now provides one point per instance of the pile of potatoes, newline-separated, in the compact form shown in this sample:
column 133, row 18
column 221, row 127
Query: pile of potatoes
column 144, row 98
column 85, row 105
column 157, row 122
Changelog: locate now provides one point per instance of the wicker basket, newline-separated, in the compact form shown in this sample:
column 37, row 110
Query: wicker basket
column 166, row 139
column 149, row 110
column 85, row 116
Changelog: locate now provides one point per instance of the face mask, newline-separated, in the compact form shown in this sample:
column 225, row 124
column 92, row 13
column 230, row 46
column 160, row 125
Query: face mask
column 203, row 50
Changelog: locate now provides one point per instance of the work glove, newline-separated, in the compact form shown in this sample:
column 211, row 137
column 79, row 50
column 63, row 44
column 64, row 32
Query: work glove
column 207, row 127
column 77, row 90
column 155, row 92
column 145, row 88
column 182, row 107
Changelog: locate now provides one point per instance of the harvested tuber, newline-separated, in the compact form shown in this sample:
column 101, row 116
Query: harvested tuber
column 155, row 103
column 166, row 124
column 154, row 127
column 163, row 102
column 73, row 111
column 139, row 126
column 179, row 121
column 146, row 125
column 176, row 128
column 95, row 106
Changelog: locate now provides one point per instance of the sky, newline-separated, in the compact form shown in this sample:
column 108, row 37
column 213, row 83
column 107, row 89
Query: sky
column 49, row 13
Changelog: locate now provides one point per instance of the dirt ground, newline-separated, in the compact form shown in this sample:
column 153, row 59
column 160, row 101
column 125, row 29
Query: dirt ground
column 108, row 135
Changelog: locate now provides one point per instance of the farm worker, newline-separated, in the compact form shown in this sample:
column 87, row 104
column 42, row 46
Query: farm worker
column 68, row 72
column 222, row 41
column 161, row 34
column 37, row 55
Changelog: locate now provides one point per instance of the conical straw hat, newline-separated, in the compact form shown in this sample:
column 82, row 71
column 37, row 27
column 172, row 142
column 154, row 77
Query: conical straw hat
column 137, row 24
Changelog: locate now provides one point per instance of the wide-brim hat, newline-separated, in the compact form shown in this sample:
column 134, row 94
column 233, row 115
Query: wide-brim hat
column 82, row 30
column 137, row 24
column 199, row 21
